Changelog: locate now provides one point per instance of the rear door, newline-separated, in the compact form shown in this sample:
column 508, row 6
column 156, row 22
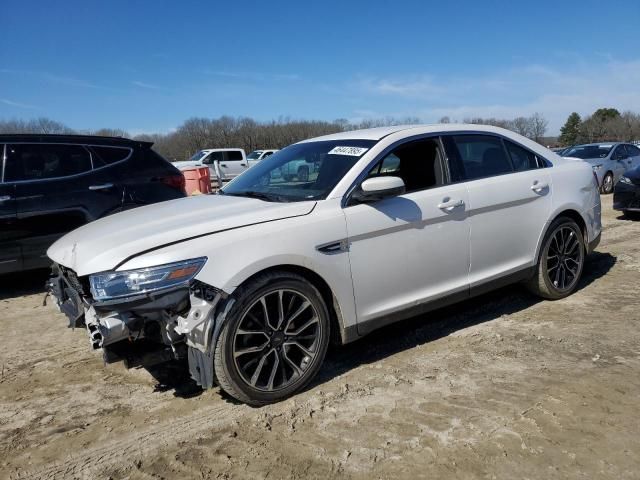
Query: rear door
column 233, row 164
column 56, row 192
column 10, row 256
column 634, row 155
column 509, row 203
column 620, row 162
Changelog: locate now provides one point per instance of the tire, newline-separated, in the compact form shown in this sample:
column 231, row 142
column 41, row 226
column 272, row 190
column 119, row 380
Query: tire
column 548, row 281
column 607, row 183
column 303, row 174
column 259, row 362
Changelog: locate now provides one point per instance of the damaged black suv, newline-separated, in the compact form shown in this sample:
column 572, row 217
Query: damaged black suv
column 52, row 184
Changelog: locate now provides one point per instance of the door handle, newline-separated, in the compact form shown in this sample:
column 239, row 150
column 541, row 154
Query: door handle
column 539, row 186
column 5, row 198
column 243, row 164
column 223, row 164
column 104, row 186
column 450, row 204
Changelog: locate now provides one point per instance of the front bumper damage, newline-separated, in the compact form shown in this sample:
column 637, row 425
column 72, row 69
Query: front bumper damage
column 180, row 324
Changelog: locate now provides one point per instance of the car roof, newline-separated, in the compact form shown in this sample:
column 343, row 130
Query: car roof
column 221, row 149
column 380, row 132
column 598, row 144
column 56, row 138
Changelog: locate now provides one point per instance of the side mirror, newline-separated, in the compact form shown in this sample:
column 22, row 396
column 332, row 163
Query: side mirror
column 377, row 188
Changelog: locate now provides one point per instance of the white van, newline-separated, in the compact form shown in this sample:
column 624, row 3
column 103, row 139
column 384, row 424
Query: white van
column 224, row 163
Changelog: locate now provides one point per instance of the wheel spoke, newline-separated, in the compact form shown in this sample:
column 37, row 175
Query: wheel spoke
column 265, row 312
column 280, row 310
column 274, row 371
column 307, row 324
column 291, row 363
column 255, row 349
column 305, row 350
column 258, row 371
column 302, row 308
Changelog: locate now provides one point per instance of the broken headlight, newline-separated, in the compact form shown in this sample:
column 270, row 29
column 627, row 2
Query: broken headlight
column 129, row 283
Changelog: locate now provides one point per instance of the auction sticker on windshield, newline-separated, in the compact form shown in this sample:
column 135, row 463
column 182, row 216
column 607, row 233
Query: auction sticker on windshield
column 351, row 151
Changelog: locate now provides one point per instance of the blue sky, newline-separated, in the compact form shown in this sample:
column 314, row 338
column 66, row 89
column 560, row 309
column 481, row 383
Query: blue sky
column 147, row 66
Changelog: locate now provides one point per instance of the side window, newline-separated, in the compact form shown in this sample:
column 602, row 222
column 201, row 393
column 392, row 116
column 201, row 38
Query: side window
column 418, row 163
column 480, row 156
column 619, row 153
column 43, row 161
column 632, row 150
column 103, row 156
column 521, row 158
column 234, row 155
column 213, row 157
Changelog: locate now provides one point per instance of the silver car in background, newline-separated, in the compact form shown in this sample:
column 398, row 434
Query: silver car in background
column 609, row 160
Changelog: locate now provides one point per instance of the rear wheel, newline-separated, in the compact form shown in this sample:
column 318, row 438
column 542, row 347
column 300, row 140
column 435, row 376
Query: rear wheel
column 561, row 261
column 274, row 341
column 607, row 183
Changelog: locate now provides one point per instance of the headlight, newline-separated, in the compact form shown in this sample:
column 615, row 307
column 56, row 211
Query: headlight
column 597, row 167
column 128, row 283
column 624, row 179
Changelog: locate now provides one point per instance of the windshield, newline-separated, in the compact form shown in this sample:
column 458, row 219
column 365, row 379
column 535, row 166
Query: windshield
column 254, row 155
column 198, row 156
column 588, row 151
column 305, row 171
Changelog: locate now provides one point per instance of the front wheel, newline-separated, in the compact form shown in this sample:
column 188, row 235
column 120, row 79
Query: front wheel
column 274, row 341
column 561, row 261
column 607, row 183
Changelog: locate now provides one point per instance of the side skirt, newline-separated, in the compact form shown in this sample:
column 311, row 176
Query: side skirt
column 359, row 330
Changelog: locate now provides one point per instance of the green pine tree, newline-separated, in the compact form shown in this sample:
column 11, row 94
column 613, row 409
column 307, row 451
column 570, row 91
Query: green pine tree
column 570, row 131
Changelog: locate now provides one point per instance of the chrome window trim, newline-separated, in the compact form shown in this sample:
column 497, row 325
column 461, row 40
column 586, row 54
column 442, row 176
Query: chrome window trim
column 84, row 145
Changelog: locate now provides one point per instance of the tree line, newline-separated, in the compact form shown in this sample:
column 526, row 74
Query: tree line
column 198, row 133
column 603, row 125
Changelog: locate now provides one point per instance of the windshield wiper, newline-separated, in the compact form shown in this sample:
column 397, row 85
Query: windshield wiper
column 267, row 197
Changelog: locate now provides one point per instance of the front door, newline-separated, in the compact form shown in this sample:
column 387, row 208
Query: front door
column 410, row 249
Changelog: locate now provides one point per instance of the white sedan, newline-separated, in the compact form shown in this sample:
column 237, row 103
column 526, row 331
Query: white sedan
column 250, row 285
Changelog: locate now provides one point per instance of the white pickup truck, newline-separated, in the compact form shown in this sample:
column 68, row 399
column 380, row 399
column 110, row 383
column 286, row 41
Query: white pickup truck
column 223, row 163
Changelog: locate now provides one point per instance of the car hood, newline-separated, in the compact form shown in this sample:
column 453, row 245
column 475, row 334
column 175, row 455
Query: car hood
column 106, row 243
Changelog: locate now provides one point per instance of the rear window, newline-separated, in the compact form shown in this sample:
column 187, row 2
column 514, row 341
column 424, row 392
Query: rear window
column 44, row 161
column 103, row 156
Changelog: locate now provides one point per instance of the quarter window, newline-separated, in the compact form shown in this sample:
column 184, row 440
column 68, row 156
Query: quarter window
column 418, row 163
column 43, row 161
column 521, row 158
column 103, row 156
column 480, row 156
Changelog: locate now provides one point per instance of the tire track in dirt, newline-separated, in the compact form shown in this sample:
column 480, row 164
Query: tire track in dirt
column 89, row 463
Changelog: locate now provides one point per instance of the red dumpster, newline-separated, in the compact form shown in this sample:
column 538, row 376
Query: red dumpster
column 197, row 180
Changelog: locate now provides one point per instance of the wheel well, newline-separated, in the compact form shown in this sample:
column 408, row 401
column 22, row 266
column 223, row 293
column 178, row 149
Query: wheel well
column 575, row 216
column 335, row 316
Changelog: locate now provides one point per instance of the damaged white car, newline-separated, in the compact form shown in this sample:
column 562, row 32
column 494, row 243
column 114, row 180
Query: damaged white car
column 252, row 284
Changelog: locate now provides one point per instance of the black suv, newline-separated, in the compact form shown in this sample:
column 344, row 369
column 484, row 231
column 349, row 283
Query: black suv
column 52, row 184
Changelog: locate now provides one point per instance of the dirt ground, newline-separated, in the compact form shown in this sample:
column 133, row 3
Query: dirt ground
column 502, row 386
